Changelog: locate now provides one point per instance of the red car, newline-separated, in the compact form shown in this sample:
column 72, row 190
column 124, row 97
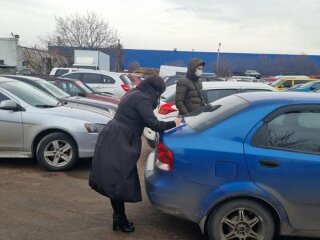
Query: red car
column 77, row 88
column 135, row 79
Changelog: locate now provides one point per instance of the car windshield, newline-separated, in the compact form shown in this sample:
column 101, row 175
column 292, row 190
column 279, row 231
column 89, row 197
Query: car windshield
column 85, row 87
column 125, row 79
column 29, row 94
column 308, row 85
column 215, row 112
column 169, row 95
column 276, row 82
column 53, row 90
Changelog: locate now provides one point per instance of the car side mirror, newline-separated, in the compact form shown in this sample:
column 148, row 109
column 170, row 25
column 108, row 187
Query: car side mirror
column 81, row 94
column 9, row 105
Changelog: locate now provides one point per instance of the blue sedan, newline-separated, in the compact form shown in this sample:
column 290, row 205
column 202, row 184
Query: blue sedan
column 245, row 167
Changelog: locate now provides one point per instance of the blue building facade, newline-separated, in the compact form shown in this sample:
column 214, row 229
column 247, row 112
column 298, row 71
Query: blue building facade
column 267, row 64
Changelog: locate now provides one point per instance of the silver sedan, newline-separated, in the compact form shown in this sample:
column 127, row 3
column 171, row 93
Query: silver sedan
column 33, row 124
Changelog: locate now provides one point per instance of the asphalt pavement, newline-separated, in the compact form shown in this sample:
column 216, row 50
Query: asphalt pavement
column 39, row 205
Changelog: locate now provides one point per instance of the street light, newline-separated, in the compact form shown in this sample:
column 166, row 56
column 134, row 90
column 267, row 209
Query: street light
column 218, row 58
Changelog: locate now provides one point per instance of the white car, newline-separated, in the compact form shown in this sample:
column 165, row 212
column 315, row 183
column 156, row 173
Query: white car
column 57, row 72
column 253, row 73
column 242, row 79
column 213, row 91
column 115, row 84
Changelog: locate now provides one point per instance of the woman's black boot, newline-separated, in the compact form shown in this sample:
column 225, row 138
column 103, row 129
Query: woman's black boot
column 121, row 222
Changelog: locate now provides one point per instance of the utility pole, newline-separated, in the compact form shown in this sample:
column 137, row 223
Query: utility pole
column 218, row 59
column 119, row 56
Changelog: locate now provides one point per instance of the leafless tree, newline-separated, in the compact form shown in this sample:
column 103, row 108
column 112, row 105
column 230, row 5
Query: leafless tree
column 41, row 61
column 88, row 31
column 133, row 66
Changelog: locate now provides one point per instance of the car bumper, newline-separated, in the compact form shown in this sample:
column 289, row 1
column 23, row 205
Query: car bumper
column 167, row 193
column 156, row 188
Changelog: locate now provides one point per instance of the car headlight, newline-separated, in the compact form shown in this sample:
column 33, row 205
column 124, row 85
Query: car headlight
column 100, row 127
column 94, row 128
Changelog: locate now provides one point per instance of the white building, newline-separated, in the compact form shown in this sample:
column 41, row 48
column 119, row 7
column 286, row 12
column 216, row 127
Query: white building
column 14, row 58
column 9, row 60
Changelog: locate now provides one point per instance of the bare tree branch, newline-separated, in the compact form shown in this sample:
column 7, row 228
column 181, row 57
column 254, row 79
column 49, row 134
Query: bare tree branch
column 88, row 30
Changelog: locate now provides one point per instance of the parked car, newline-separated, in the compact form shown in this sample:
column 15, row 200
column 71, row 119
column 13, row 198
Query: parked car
column 77, row 88
column 285, row 83
column 213, row 91
column 269, row 80
column 115, row 84
column 135, row 79
column 172, row 80
column 64, row 97
column 242, row 79
column 312, row 86
column 291, row 76
column 314, row 76
column 294, row 87
column 34, row 124
column 253, row 73
column 57, row 72
column 25, row 71
column 247, row 167
column 166, row 71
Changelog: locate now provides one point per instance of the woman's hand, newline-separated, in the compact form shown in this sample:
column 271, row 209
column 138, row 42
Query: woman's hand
column 178, row 121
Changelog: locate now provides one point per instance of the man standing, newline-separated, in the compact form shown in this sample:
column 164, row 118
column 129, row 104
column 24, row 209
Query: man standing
column 189, row 94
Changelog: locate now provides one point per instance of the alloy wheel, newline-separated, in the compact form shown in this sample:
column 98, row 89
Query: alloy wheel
column 58, row 153
column 242, row 224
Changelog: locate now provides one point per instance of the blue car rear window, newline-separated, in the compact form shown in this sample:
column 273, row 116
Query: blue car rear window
column 215, row 112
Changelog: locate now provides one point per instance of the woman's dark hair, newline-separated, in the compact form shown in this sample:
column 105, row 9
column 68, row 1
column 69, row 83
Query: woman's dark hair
column 156, row 82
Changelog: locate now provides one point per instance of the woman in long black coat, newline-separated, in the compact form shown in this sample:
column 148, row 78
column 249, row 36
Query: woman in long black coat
column 114, row 172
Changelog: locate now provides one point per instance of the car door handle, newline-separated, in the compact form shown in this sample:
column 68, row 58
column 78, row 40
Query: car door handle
column 269, row 163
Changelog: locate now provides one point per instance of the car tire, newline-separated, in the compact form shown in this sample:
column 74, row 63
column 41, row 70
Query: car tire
column 240, row 219
column 57, row 152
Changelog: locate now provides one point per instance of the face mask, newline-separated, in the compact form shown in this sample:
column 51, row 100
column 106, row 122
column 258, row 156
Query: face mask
column 198, row 72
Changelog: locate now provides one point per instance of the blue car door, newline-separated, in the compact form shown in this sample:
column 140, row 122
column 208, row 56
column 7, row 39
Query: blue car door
column 283, row 157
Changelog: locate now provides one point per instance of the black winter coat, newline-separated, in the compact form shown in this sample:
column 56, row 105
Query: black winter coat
column 189, row 93
column 114, row 173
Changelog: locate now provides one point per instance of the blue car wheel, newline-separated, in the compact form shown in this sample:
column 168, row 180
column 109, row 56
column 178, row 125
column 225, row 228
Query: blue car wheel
column 240, row 220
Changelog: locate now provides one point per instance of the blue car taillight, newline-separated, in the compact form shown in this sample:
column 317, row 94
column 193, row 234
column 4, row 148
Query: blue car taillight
column 165, row 158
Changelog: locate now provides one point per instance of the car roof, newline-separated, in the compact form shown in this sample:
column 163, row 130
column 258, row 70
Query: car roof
column 25, row 77
column 68, row 79
column 314, row 82
column 310, row 79
column 63, row 68
column 6, row 79
column 97, row 72
column 232, row 85
column 283, row 97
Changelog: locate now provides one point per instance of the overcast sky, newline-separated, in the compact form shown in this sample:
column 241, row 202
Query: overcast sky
column 253, row 26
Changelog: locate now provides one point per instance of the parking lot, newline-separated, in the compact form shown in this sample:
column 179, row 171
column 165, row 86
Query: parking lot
column 41, row 205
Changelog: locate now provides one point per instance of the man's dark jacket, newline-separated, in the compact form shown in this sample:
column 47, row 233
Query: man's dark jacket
column 189, row 93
